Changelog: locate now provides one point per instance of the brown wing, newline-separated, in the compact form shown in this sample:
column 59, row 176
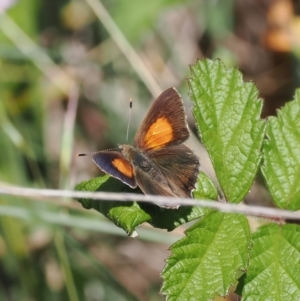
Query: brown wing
column 165, row 124
column 116, row 165
column 153, row 182
column 180, row 167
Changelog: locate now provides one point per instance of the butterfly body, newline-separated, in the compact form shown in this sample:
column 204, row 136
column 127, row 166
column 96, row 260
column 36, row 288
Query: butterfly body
column 138, row 159
column 159, row 162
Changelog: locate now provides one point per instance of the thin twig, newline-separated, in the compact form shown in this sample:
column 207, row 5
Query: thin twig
column 159, row 200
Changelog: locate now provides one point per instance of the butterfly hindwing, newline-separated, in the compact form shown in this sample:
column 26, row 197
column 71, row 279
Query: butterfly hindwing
column 180, row 167
column 153, row 185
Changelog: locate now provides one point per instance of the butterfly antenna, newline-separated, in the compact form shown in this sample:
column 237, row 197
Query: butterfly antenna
column 128, row 124
column 93, row 153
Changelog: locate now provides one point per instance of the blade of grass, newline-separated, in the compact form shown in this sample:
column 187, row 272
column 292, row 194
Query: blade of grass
column 36, row 54
column 90, row 222
column 65, row 265
column 136, row 62
column 66, row 149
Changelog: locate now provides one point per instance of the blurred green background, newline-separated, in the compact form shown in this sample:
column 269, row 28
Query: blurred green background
column 68, row 70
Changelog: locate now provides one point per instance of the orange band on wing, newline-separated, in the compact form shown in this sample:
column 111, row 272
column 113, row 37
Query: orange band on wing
column 159, row 134
column 123, row 167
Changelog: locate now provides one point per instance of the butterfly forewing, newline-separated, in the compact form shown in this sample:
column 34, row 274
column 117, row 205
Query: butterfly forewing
column 116, row 165
column 165, row 124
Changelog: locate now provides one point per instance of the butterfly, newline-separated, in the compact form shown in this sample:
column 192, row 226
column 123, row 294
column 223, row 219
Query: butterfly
column 159, row 163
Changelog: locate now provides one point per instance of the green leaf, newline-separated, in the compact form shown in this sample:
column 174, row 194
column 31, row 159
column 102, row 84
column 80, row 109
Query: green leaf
column 274, row 267
column 209, row 259
column 281, row 156
column 227, row 113
column 90, row 185
column 171, row 218
column 129, row 215
column 205, row 188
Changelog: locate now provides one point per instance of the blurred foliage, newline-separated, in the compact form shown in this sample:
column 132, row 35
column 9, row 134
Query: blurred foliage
column 48, row 46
